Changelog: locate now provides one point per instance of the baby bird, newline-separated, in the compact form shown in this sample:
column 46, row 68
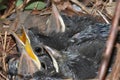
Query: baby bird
column 72, row 55
column 28, row 63
column 79, row 51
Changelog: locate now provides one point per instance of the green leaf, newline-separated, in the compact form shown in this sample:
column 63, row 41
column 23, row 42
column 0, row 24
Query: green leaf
column 2, row 7
column 40, row 5
column 19, row 2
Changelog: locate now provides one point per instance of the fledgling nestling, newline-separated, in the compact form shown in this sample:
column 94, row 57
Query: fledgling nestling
column 74, row 54
column 80, row 47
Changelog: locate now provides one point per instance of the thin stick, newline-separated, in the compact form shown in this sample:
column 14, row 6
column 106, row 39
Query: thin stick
column 3, row 61
column 5, row 38
column 8, row 43
column 110, row 44
column 13, row 9
column 1, row 39
column 103, row 16
column 116, row 67
column 3, row 76
column 11, row 48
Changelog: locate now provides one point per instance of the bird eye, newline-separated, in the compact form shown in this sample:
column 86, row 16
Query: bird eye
column 38, row 49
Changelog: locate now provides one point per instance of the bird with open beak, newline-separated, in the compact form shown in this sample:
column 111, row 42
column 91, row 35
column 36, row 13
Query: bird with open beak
column 75, row 54
column 28, row 62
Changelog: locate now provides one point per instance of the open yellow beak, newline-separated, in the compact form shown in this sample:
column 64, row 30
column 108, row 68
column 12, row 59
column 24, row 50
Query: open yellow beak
column 24, row 42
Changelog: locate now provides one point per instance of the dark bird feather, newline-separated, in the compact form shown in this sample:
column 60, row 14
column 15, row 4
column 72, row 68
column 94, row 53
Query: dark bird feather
column 80, row 47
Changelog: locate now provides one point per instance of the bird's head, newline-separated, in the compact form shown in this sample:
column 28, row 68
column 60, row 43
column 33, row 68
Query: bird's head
column 24, row 45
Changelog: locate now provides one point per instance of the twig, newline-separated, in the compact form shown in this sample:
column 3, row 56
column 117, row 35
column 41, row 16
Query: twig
column 13, row 9
column 1, row 39
column 23, row 5
column 3, row 76
column 4, row 54
column 8, row 43
column 7, row 13
column 3, row 61
column 116, row 67
column 110, row 44
column 36, row 5
column 5, row 38
column 11, row 48
column 103, row 16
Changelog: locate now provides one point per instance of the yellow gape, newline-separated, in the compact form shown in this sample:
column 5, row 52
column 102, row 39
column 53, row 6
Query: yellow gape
column 25, row 42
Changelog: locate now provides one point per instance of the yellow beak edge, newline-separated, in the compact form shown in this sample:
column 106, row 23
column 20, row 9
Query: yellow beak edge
column 25, row 42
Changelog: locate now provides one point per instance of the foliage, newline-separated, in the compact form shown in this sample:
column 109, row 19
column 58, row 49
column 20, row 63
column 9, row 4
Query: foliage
column 34, row 4
column 38, row 4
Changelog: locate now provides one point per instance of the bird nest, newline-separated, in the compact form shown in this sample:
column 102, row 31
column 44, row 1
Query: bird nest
column 62, row 41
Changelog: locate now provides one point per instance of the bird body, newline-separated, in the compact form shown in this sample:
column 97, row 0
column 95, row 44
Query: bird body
column 81, row 49
column 28, row 62
column 74, row 54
